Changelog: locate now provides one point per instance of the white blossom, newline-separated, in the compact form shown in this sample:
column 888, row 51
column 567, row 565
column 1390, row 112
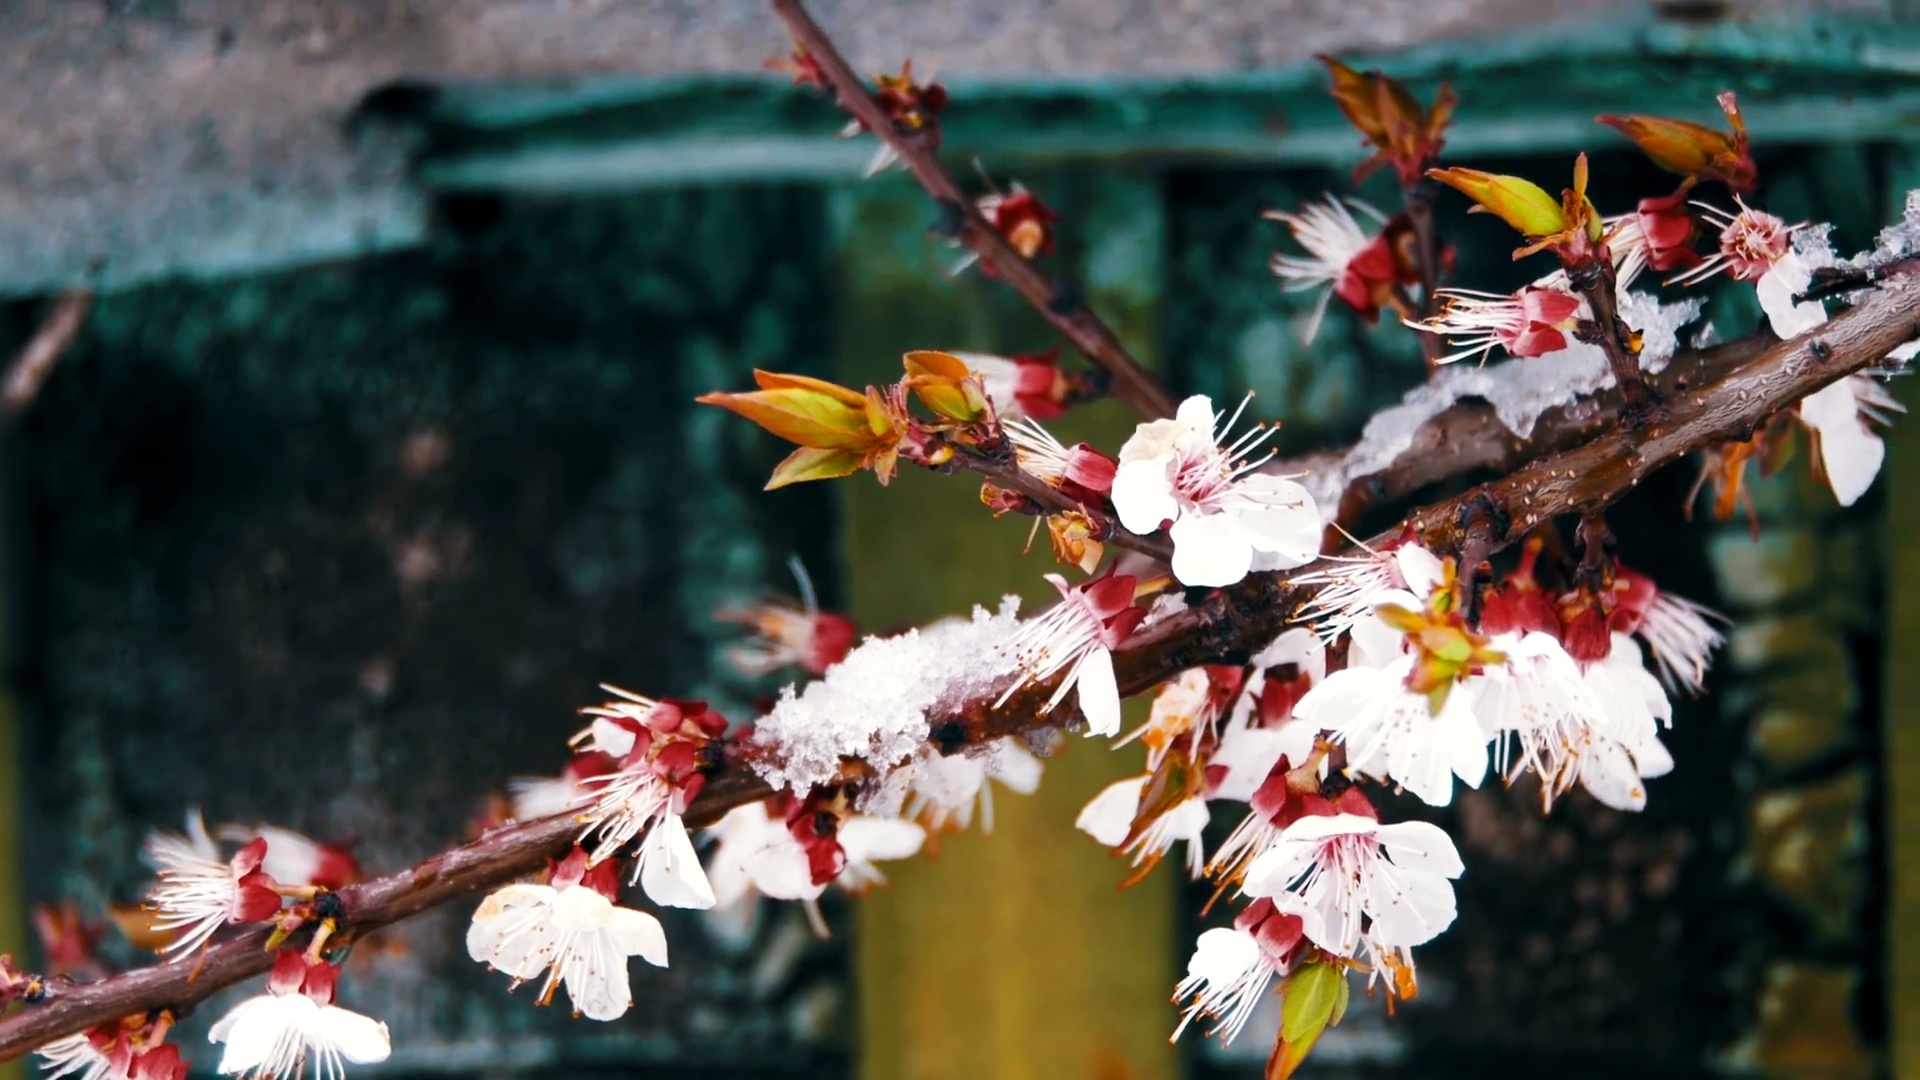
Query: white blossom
column 1109, row 819
column 1227, row 977
column 1336, row 871
column 574, row 935
column 1225, row 518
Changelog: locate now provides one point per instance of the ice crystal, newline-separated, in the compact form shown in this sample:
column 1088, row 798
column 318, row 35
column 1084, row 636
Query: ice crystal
column 874, row 704
column 1520, row 391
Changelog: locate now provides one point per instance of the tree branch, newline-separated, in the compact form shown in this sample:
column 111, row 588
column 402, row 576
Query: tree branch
column 1055, row 300
column 30, row 369
column 1227, row 627
column 1469, row 435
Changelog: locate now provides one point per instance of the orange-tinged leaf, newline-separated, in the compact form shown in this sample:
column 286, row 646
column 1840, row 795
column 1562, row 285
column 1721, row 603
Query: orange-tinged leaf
column 775, row 380
column 934, row 362
column 1675, row 145
column 801, row 415
column 956, row 400
column 1520, row 203
column 1354, row 94
column 808, row 463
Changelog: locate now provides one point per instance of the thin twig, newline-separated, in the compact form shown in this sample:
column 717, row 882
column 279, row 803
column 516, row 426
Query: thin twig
column 1051, row 500
column 1056, row 301
column 1228, row 626
column 30, row 369
column 1419, row 197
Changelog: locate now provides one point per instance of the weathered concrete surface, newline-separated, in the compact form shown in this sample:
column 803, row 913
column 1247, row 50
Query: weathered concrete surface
column 144, row 136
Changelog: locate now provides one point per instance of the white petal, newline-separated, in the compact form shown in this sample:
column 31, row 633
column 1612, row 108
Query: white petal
column 1421, row 845
column 1298, row 646
column 512, row 930
column 1098, row 693
column 780, row 870
column 1609, row 775
column 1210, row 550
column 1777, row 288
column 1249, row 754
column 636, row 933
column 1109, row 817
column 1143, row 494
column 1279, row 517
column 670, row 872
column 867, row 838
column 360, row 1039
column 1196, row 414
column 1421, row 569
column 597, row 983
column 1851, row 456
column 250, row 1030
column 1408, row 908
column 1014, row 766
column 611, row 738
column 578, row 909
column 1222, row 955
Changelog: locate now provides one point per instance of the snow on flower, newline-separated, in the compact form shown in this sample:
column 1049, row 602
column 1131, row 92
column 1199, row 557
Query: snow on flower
column 1356, row 883
column 1224, row 517
column 197, row 892
column 1111, row 818
column 657, row 745
column 1363, row 271
column 571, row 931
column 874, row 704
column 277, row 1033
column 1231, row 969
column 1532, row 322
column 297, row 859
column 1078, row 636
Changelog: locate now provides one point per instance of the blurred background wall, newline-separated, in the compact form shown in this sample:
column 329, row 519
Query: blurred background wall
column 376, row 453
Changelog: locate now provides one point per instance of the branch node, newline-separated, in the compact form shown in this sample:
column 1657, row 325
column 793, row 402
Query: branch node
column 952, row 220
column 1066, row 299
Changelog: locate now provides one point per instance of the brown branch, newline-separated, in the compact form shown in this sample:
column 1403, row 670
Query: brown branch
column 1054, row 300
column 1469, row 436
column 1227, row 627
column 1419, row 197
column 1596, row 283
column 30, row 369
